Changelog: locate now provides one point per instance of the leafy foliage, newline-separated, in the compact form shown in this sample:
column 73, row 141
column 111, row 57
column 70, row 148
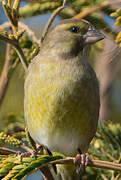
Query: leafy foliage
column 117, row 16
column 12, row 168
column 74, row 7
column 7, row 139
column 105, row 146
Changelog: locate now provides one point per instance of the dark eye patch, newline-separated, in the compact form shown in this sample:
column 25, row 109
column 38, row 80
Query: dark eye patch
column 74, row 29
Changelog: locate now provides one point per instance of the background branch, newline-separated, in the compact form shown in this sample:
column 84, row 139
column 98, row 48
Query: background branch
column 10, row 65
column 69, row 160
column 98, row 8
column 91, row 163
column 47, row 175
column 4, row 78
column 23, row 27
column 52, row 17
column 18, row 49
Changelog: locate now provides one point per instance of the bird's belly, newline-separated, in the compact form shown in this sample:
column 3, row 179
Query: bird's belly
column 59, row 114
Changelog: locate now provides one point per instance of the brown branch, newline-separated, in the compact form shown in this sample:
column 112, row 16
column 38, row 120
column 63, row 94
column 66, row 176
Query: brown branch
column 8, row 65
column 47, row 175
column 5, row 25
column 30, row 33
column 4, row 78
column 91, row 163
column 26, row 148
column 97, row 8
column 23, row 27
column 18, row 49
column 69, row 160
column 7, row 151
column 52, row 17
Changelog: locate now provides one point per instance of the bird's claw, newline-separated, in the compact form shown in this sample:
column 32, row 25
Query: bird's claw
column 81, row 159
column 28, row 154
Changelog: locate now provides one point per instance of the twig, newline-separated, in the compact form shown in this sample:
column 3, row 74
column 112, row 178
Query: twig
column 46, row 173
column 21, row 56
column 4, row 78
column 22, row 26
column 9, row 3
column 26, row 148
column 70, row 160
column 8, row 65
column 7, row 151
column 16, row 4
column 12, row 15
column 30, row 33
column 97, row 8
column 5, row 25
column 18, row 49
column 103, row 176
column 91, row 163
column 54, row 14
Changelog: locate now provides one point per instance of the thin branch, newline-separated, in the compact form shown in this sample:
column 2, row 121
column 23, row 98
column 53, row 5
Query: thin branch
column 54, row 14
column 7, row 13
column 26, row 148
column 21, row 56
column 5, row 25
column 9, row 3
column 91, row 163
column 23, row 27
column 97, row 8
column 18, row 49
column 70, row 160
column 16, row 4
column 7, row 151
column 8, row 65
column 30, row 33
column 47, row 175
column 4, row 78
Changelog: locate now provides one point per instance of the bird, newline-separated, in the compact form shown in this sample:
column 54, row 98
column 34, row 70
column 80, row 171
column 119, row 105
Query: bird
column 62, row 98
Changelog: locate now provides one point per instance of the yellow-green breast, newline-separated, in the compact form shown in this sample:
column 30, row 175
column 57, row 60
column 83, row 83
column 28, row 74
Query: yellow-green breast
column 61, row 104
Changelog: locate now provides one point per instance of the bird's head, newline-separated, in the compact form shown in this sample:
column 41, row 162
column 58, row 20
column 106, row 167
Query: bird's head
column 69, row 37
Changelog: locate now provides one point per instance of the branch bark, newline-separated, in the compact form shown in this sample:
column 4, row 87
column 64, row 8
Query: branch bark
column 4, row 78
column 91, row 163
column 70, row 160
column 47, row 175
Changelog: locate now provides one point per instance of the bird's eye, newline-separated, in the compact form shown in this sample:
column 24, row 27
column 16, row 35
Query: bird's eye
column 75, row 29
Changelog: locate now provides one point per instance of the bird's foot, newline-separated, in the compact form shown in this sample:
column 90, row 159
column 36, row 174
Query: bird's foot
column 28, row 154
column 81, row 159
column 34, row 153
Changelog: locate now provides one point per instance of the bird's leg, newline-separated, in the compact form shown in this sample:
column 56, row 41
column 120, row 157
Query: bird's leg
column 54, row 165
column 81, row 159
column 31, row 142
column 28, row 154
column 35, row 152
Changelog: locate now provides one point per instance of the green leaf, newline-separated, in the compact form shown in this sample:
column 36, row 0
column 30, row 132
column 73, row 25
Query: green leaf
column 34, row 164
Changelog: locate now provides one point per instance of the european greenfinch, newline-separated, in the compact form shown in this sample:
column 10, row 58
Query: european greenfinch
column 62, row 92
